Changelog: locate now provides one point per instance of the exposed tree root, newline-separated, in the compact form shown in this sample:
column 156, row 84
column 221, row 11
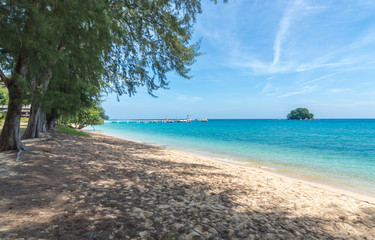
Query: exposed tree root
column 18, row 155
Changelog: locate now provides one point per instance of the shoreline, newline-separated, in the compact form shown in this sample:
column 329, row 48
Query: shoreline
column 322, row 184
column 318, row 183
column 78, row 187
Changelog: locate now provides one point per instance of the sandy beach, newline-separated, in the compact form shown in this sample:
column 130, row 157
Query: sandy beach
column 101, row 187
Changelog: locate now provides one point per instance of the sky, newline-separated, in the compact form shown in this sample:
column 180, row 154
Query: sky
column 264, row 58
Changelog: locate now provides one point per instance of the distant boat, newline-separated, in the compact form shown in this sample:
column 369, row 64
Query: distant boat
column 204, row 120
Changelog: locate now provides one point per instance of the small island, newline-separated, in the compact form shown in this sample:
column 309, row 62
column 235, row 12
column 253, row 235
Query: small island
column 300, row 114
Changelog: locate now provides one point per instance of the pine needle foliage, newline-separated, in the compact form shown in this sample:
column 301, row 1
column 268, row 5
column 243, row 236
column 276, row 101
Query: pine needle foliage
column 79, row 49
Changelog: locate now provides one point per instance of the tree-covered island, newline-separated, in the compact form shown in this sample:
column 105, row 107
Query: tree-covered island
column 300, row 114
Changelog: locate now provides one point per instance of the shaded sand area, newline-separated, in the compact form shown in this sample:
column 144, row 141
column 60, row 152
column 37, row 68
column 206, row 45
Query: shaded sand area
column 100, row 187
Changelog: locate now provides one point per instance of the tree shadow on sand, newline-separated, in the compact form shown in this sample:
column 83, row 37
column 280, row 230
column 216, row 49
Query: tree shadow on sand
column 64, row 189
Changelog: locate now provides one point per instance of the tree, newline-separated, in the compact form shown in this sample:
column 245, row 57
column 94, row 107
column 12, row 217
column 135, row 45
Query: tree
column 79, row 39
column 38, row 34
column 300, row 114
column 36, row 31
column 125, row 44
column 86, row 117
column 71, row 96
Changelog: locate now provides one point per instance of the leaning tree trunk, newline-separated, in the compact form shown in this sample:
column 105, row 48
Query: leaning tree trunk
column 10, row 138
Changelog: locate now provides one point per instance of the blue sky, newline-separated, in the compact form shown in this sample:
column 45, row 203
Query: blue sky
column 264, row 58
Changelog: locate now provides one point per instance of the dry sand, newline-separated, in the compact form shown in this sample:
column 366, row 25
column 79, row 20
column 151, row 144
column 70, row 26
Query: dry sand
column 100, row 187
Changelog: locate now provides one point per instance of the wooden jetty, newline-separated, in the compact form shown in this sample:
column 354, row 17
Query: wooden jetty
column 166, row 120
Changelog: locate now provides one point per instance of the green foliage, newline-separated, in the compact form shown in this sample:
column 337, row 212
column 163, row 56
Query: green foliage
column 86, row 117
column 152, row 38
column 79, row 49
column 300, row 114
column 102, row 114
column 125, row 43
column 4, row 98
column 64, row 129
column 131, row 43
column 4, row 95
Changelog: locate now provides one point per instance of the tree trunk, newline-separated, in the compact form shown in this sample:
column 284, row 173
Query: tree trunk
column 51, row 124
column 42, row 122
column 10, row 135
column 37, row 120
column 32, row 130
column 10, row 138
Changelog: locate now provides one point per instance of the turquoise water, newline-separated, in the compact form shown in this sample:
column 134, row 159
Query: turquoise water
column 341, row 152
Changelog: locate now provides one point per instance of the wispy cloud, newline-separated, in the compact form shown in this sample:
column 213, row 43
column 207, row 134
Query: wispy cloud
column 267, row 87
column 321, row 78
column 293, row 12
column 289, row 57
column 342, row 56
column 262, row 68
column 337, row 90
column 289, row 15
column 187, row 98
column 320, row 63
column 181, row 97
column 304, row 90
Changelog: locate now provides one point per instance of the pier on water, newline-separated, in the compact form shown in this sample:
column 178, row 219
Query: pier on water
column 166, row 120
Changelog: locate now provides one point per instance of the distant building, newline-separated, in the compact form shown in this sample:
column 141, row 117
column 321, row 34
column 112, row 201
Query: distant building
column 25, row 112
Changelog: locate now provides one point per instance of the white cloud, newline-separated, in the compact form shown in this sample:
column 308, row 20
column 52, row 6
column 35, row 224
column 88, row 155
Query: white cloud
column 344, row 54
column 304, row 90
column 181, row 97
column 186, row 98
column 318, row 63
column 267, row 87
column 287, row 47
column 293, row 12
column 365, row 40
column 321, row 78
column 282, row 32
column 243, row 59
column 337, row 90
column 259, row 67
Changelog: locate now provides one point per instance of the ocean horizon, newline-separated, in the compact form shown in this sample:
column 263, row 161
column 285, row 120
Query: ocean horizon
column 338, row 152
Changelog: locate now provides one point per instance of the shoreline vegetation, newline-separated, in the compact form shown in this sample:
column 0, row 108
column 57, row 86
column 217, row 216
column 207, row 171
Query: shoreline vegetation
column 101, row 187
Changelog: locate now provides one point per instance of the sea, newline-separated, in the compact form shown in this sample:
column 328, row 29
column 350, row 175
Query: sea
column 339, row 152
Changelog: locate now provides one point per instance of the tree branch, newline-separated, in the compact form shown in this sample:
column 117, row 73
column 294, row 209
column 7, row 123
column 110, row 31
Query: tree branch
column 3, row 77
